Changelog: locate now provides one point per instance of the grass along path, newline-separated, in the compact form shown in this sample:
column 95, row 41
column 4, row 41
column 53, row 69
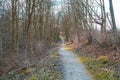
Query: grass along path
column 101, row 68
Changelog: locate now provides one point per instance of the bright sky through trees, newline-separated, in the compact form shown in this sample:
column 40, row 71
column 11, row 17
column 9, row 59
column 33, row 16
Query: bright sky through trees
column 59, row 4
column 116, row 6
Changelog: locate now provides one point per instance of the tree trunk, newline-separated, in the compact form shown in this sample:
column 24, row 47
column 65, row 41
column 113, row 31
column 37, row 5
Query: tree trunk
column 112, row 16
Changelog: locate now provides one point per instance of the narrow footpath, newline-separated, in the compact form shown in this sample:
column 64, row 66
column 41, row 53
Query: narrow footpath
column 72, row 68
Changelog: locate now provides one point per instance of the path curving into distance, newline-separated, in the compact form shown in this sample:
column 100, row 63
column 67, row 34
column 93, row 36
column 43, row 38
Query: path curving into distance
column 73, row 69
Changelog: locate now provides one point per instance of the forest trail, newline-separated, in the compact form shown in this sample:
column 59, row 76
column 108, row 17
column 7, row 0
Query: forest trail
column 72, row 68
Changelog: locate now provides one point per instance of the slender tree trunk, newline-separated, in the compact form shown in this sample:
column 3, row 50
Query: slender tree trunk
column 13, row 26
column 112, row 16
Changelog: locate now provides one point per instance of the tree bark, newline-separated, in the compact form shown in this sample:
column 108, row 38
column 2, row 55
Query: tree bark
column 112, row 16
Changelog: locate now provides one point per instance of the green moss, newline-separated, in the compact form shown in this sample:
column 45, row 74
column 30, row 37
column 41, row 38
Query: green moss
column 27, row 70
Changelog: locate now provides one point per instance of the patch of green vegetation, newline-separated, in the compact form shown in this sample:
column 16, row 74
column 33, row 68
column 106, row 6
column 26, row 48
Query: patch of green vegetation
column 46, row 72
column 101, row 68
column 33, row 77
column 48, row 69
column 27, row 70
column 67, row 48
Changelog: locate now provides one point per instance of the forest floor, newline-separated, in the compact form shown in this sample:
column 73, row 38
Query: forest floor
column 73, row 69
column 48, row 68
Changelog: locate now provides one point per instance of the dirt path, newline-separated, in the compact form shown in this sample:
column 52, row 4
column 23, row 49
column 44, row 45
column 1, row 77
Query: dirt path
column 73, row 69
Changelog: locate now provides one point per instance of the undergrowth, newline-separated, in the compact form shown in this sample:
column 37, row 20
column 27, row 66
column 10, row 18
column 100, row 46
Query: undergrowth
column 47, row 69
column 101, row 68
